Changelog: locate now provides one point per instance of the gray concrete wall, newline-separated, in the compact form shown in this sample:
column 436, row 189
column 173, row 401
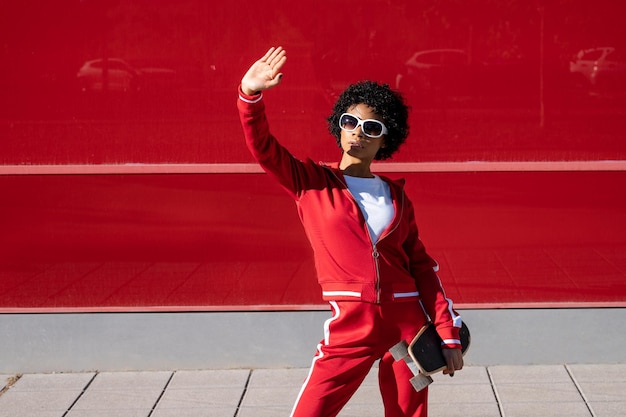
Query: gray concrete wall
column 222, row 340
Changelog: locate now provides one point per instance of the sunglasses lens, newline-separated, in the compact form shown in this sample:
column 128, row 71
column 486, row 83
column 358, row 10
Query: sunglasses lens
column 348, row 122
column 371, row 128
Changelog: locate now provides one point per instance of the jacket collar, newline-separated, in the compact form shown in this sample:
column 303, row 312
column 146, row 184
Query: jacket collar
column 334, row 167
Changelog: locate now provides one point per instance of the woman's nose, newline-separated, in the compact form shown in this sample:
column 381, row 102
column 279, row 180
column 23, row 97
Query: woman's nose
column 358, row 131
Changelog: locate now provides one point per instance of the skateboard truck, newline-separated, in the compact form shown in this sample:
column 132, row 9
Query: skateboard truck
column 423, row 355
column 400, row 351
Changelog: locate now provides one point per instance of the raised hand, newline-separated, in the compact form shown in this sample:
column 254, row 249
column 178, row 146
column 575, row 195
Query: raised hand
column 264, row 73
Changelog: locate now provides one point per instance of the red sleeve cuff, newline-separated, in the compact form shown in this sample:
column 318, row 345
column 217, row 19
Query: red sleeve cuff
column 255, row 98
column 450, row 337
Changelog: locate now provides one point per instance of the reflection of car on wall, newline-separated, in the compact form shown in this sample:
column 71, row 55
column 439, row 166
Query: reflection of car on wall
column 436, row 71
column 454, row 73
column 603, row 67
column 122, row 77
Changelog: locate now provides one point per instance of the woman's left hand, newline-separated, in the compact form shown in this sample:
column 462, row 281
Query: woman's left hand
column 454, row 360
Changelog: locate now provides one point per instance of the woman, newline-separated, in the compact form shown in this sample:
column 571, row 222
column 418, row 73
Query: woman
column 374, row 272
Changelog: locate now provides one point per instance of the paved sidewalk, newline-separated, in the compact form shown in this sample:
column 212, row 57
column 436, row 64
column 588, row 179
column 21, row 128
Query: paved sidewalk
column 507, row 391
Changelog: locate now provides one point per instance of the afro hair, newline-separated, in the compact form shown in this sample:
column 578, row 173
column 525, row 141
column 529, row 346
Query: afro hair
column 385, row 102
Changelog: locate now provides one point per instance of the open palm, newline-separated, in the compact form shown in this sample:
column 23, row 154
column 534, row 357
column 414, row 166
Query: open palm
column 264, row 73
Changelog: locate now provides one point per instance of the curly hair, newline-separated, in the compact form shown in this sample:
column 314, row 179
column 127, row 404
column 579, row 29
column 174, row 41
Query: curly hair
column 387, row 103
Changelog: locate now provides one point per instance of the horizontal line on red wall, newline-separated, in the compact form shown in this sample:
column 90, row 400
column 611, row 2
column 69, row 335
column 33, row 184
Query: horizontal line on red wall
column 298, row 307
column 252, row 168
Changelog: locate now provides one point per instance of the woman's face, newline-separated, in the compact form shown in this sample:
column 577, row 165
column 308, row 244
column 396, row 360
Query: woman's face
column 355, row 143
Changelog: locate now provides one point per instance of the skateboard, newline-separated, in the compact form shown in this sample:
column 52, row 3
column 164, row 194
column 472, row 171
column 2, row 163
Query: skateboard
column 423, row 355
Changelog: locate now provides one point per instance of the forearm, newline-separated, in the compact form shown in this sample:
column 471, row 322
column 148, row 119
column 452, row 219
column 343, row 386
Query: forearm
column 440, row 308
column 275, row 159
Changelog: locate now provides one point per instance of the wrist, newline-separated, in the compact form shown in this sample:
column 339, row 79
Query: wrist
column 249, row 92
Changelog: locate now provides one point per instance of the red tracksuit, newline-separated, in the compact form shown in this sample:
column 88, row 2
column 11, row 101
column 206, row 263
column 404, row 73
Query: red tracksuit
column 379, row 292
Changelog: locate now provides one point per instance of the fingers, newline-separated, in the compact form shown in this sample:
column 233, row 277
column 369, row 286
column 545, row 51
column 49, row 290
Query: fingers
column 276, row 58
column 454, row 361
column 272, row 53
column 267, row 55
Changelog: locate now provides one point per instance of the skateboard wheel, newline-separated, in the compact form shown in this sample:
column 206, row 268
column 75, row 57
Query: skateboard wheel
column 399, row 350
column 420, row 381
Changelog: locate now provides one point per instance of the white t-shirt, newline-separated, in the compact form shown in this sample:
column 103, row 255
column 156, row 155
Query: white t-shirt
column 374, row 199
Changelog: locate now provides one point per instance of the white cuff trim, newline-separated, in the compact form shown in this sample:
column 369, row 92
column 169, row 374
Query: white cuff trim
column 256, row 100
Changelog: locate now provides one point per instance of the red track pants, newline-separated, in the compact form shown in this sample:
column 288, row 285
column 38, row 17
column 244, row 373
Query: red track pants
column 355, row 337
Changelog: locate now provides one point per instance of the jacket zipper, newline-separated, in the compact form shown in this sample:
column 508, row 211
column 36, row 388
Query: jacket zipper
column 376, row 255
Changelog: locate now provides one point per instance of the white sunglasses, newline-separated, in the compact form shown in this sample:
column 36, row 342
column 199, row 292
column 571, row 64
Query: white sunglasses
column 370, row 127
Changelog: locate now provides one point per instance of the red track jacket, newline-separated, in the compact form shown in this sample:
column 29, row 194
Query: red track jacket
column 349, row 266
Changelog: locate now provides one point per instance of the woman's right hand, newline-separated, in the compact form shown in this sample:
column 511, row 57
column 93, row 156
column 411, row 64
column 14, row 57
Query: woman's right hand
column 264, row 73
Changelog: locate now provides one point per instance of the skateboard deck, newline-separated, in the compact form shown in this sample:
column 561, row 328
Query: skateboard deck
column 424, row 356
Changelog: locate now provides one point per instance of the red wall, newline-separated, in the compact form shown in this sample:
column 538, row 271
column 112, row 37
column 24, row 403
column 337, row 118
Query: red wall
column 133, row 190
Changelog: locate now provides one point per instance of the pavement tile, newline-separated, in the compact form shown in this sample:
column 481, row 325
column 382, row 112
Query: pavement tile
column 43, row 395
column 546, row 408
column 125, row 399
column 462, row 410
column 608, row 409
column 469, row 375
column 196, row 398
column 456, row 394
column 204, row 379
column 109, row 413
column 270, row 411
column 353, row 409
column 31, row 401
column 519, row 374
column 214, row 393
column 136, row 381
column 32, row 413
column 604, row 391
column 278, row 377
column 53, row 382
column 470, row 385
column 270, row 396
column 198, row 412
column 539, row 392
column 599, row 372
